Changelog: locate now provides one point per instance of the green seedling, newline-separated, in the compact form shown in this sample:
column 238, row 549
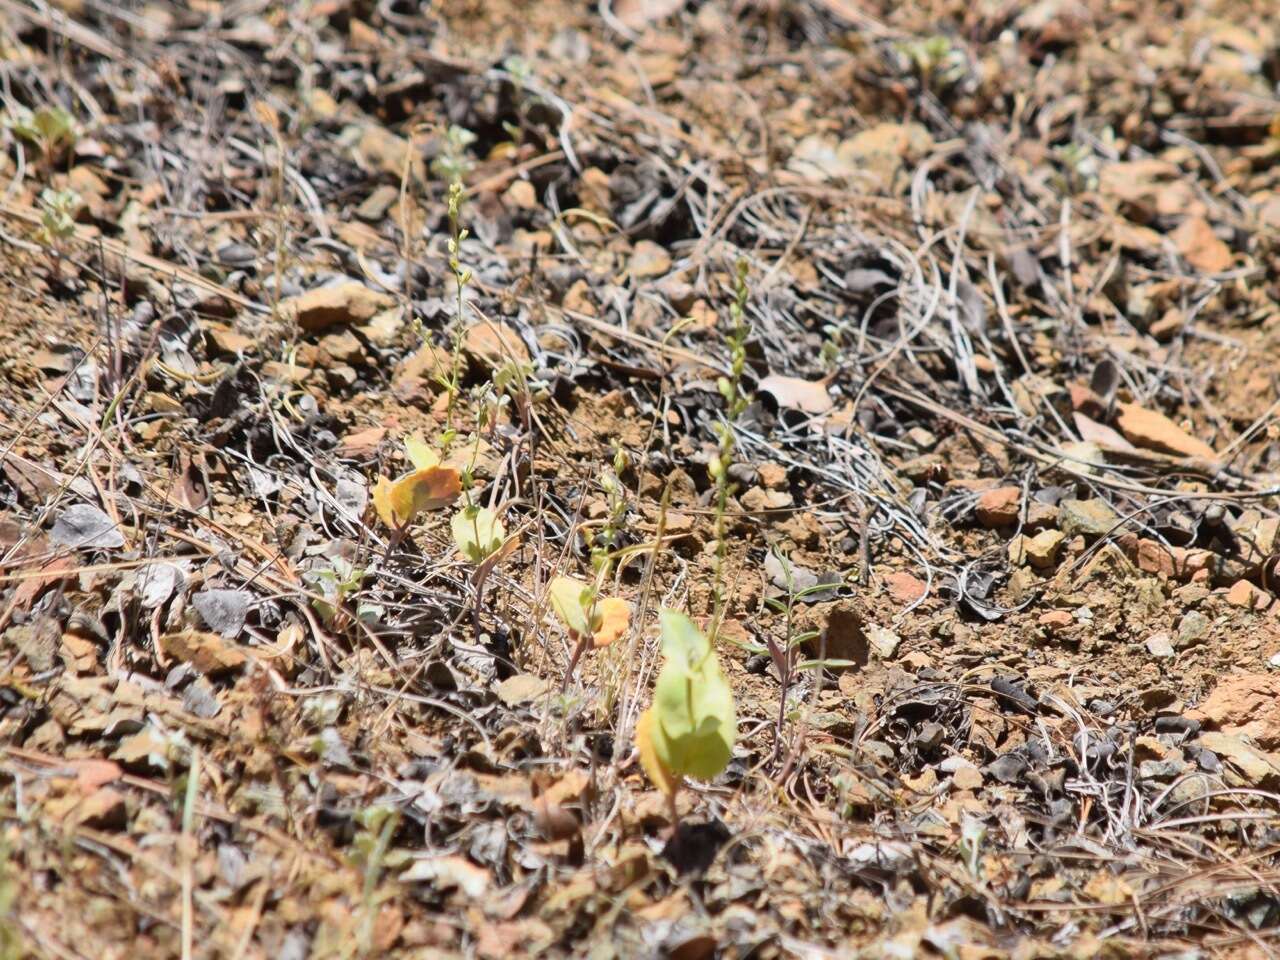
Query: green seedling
column 371, row 852
column 452, row 381
column 735, row 401
column 592, row 620
column 58, row 222
column 481, row 538
column 453, row 163
column 429, row 486
column 49, row 128
column 338, row 584
column 936, row 61
column 690, row 729
column 521, row 73
column 786, row 654
column 478, row 533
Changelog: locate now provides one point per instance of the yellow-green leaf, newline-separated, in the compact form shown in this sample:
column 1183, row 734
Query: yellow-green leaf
column 695, row 723
column 478, row 532
column 571, row 599
column 662, row 778
column 420, row 453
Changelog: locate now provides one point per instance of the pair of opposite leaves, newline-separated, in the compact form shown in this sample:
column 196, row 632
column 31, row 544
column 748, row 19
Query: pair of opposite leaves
column 604, row 620
column 432, row 485
column 429, row 486
column 690, row 729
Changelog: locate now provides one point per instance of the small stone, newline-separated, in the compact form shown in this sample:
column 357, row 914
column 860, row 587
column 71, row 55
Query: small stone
column 884, row 642
column 1039, row 516
column 349, row 302
column 223, row 610
column 341, row 377
column 594, row 190
column 967, row 778
column 1167, row 327
column 840, row 632
column 426, row 363
column 577, row 299
column 225, row 341
column 920, row 438
column 1201, row 247
column 773, row 476
column 341, row 347
column 1245, row 704
column 903, row 588
column 1192, row 629
column 1040, row 551
column 285, row 372
column 1056, row 620
column 1160, row 646
column 362, row 444
column 648, row 260
column 1245, row 594
column 207, row 652
column 923, row 782
column 1161, row 769
column 104, row 809
column 928, row 467
column 999, row 507
column 522, row 688
column 494, row 345
column 1084, row 400
column 1178, row 562
column 384, row 328
column 1244, row 765
column 679, row 293
column 377, row 149
column 236, row 255
column 375, row 206
column 760, row 500
column 1090, row 518
column 522, row 194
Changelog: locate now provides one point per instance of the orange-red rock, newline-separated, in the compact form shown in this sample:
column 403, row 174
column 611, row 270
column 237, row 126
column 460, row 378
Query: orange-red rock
column 999, row 507
column 1245, row 703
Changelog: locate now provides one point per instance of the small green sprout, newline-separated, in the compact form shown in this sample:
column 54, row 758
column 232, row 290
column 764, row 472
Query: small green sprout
column 50, row 128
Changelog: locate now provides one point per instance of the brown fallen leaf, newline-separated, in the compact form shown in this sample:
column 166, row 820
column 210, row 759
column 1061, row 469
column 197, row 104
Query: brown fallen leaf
column 1154, row 431
column 1200, row 246
column 1091, row 431
column 92, row 774
column 207, row 652
column 444, row 872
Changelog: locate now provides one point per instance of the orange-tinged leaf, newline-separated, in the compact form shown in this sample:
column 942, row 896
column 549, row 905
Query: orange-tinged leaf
column 434, row 487
column 382, row 502
column 614, row 615
column 399, row 502
column 662, row 778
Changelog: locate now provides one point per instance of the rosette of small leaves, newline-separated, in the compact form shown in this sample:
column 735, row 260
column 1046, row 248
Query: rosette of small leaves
column 50, row 128
column 453, row 163
column 58, row 216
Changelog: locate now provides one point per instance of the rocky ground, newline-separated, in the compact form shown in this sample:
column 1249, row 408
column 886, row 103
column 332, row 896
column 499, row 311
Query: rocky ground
column 1006, row 456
